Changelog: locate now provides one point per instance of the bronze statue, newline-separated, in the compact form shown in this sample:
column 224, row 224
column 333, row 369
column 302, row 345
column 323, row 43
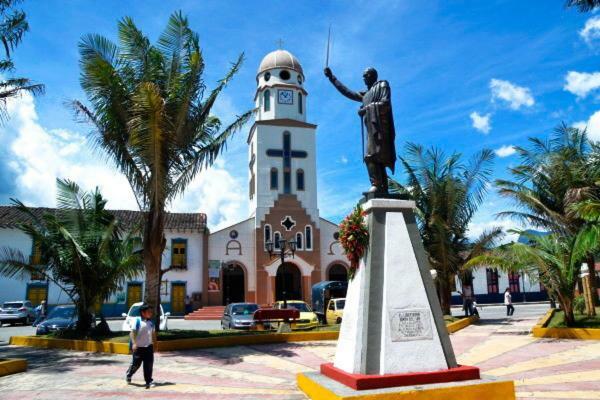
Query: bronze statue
column 376, row 116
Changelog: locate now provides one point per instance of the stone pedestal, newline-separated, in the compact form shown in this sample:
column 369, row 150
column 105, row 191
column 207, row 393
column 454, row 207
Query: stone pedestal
column 392, row 321
column 393, row 341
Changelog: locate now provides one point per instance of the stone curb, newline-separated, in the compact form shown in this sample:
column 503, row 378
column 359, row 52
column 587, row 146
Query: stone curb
column 9, row 366
column 540, row 330
column 461, row 324
column 173, row 345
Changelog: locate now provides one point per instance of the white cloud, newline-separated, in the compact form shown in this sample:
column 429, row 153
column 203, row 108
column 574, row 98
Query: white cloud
column 592, row 125
column 481, row 122
column 505, row 151
column 516, row 96
column 476, row 228
column 40, row 155
column 582, row 83
column 591, row 30
column 344, row 159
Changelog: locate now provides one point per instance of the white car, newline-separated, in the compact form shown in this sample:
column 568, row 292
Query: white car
column 134, row 312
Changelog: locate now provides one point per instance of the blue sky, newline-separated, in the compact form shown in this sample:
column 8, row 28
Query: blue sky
column 465, row 75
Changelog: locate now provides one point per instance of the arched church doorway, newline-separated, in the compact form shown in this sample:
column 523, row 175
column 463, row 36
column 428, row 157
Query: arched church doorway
column 288, row 280
column 337, row 272
column 233, row 284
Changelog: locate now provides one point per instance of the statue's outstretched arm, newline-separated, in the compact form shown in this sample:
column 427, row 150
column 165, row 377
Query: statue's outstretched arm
column 342, row 88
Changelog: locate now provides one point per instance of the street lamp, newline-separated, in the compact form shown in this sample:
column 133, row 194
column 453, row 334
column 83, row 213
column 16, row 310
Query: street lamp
column 283, row 249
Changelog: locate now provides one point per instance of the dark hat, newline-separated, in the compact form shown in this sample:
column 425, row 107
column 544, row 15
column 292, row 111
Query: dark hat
column 144, row 307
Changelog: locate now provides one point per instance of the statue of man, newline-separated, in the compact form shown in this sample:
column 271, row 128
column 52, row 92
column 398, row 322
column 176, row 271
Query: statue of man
column 376, row 115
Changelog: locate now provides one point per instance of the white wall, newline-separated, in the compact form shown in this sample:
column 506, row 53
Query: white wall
column 217, row 243
column 327, row 230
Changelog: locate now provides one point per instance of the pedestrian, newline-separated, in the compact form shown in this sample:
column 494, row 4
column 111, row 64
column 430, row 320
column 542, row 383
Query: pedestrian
column 141, row 337
column 474, row 308
column 510, row 309
column 188, row 304
column 41, row 311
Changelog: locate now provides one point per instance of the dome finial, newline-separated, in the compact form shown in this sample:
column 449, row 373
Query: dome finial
column 280, row 44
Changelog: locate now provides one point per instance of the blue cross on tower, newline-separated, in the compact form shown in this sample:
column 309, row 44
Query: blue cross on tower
column 287, row 154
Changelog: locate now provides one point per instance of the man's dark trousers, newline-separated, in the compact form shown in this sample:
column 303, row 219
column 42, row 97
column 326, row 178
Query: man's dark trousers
column 145, row 355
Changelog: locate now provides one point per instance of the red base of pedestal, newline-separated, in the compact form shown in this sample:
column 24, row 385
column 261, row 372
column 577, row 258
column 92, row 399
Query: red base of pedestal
column 363, row 382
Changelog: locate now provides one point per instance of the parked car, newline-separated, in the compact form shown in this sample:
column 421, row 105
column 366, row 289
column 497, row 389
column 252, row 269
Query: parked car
column 13, row 312
column 238, row 316
column 134, row 312
column 308, row 318
column 60, row 318
column 335, row 311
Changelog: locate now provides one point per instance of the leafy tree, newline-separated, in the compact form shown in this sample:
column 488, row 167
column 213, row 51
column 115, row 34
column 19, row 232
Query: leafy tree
column 447, row 193
column 553, row 259
column 151, row 118
column 552, row 176
column 84, row 249
column 583, row 5
column 13, row 26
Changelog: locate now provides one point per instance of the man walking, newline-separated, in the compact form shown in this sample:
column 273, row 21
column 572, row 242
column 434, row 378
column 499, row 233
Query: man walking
column 510, row 309
column 141, row 338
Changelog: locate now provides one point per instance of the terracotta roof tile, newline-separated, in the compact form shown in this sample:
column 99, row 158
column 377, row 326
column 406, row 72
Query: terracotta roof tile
column 10, row 217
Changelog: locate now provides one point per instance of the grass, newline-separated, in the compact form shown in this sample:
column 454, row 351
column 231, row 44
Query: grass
column 581, row 320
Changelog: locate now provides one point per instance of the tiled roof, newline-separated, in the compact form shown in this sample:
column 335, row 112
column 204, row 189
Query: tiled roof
column 10, row 217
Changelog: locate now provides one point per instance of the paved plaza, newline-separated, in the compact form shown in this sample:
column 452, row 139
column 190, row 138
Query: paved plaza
column 541, row 368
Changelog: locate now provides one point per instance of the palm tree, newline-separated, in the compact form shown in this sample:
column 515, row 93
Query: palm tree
column 150, row 117
column 84, row 249
column 447, row 193
column 553, row 176
column 583, row 5
column 555, row 260
column 12, row 28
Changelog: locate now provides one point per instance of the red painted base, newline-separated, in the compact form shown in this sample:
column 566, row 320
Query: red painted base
column 363, row 382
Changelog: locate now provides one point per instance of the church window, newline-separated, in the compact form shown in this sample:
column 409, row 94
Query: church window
column 274, row 179
column 308, row 237
column 300, row 79
column 300, row 103
column 267, row 233
column 267, row 76
column 285, row 75
column 276, row 239
column 300, row 179
column 267, row 101
column 514, row 280
column 179, row 253
column 299, row 241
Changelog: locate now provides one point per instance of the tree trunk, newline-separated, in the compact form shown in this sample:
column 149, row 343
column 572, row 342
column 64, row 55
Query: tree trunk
column 444, row 293
column 567, row 307
column 154, row 245
column 592, row 284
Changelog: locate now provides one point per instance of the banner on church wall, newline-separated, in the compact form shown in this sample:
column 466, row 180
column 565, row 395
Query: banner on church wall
column 214, row 275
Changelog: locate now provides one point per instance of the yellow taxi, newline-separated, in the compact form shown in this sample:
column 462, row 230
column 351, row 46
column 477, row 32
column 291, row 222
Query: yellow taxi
column 308, row 319
column 335, row 311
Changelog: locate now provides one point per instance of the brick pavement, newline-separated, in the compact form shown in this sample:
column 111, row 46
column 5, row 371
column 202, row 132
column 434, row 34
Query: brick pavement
column 542, row 368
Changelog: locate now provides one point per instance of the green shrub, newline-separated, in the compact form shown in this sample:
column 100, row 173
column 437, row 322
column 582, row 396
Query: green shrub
column 579, row 305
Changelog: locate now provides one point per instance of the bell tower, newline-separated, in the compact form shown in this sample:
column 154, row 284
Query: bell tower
column 282, row 159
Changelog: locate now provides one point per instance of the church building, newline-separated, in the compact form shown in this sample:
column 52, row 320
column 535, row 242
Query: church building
column 282, row 189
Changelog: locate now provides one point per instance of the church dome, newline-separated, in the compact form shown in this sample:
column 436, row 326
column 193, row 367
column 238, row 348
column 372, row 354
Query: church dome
column 280, row 59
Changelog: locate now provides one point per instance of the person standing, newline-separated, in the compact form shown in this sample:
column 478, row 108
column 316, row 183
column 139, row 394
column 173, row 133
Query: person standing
column 510, row 309
column 188, row 304
column 41, row 311
column 141, row 338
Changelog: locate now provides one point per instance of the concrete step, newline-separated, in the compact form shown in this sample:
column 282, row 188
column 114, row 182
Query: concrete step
column 202, row 318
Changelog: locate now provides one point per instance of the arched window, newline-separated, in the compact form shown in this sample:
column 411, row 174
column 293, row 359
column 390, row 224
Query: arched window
column 267, row 101
column 276, row 239
column 267, row 233
column 308, row 237
column 274, row 179
column 300, row 103
column 299, row 241
column 300, row 179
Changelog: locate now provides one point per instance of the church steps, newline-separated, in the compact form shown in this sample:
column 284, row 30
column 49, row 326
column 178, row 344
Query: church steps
column 211, row 313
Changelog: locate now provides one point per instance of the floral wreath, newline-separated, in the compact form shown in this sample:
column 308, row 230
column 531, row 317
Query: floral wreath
column 354, row 238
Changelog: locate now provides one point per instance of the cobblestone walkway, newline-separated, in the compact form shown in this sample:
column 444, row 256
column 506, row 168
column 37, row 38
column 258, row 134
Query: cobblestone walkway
column 542, row 368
